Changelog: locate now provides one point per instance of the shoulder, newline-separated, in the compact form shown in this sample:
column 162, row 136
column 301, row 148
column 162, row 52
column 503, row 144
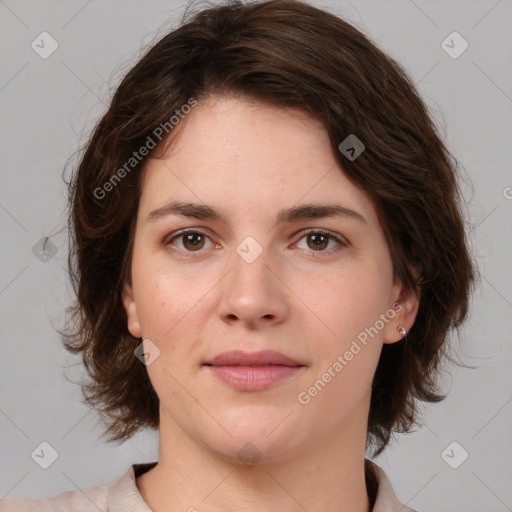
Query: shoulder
column 384, row 497
column 120, row 495
column 92, row 499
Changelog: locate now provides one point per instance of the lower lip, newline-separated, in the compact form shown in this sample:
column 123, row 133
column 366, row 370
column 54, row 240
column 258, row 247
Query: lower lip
column 247, row 378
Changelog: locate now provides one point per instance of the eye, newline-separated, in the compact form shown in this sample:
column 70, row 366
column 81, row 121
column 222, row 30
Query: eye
column 192, row 240
column 318, row 241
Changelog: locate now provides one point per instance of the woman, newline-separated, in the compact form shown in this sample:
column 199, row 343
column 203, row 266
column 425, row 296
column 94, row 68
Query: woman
column 268, row 255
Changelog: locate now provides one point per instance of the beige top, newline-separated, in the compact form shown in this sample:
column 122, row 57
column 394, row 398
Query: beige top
column 123, row 495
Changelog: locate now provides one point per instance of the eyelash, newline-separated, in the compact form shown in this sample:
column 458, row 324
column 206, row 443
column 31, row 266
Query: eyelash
column 342, row 244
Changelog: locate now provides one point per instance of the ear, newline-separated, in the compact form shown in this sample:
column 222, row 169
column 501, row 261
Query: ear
column 131, row 311
column 405, row 307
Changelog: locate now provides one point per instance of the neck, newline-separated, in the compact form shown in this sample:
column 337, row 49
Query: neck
column 328, row 475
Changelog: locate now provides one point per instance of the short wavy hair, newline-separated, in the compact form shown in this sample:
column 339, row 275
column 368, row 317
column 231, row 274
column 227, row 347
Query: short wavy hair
column 285, row 53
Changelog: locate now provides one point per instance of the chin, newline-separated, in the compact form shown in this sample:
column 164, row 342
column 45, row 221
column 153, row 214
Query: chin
column 252, row 452
column 258, row 442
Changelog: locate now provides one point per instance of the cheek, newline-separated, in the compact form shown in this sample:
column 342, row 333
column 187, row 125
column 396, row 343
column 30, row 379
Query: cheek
column 153, row 299
column 352, row 300
column 162, row 308
column 348, row 351
column 171, row 311
column 166, row 297
column 350, row 308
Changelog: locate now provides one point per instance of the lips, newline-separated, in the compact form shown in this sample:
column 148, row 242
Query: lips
column 256, row 359
column 256, row 371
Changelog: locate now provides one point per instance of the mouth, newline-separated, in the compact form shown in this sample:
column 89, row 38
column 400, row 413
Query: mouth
column 253, row 371
column 255, row 359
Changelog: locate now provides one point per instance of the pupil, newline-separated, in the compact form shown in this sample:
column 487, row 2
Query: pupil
column 190, row 239
column 317, row 240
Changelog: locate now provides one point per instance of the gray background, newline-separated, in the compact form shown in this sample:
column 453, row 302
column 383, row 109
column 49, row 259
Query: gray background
column 49, row 106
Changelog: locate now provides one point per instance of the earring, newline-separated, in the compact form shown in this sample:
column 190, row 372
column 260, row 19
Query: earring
column 401, row 330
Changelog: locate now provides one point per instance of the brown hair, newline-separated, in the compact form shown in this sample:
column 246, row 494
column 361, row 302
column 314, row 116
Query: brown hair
column 289, row 54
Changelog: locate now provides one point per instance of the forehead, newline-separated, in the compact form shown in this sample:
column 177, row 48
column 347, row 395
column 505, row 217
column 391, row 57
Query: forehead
column 243, row 155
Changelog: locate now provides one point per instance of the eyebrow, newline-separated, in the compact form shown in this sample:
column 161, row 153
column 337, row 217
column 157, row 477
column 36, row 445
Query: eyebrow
column 287, row 215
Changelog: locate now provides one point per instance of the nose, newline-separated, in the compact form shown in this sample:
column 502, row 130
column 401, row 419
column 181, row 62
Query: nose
column 254, row 292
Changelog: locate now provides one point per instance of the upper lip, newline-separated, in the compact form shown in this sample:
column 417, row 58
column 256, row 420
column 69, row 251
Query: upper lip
column 241, row 358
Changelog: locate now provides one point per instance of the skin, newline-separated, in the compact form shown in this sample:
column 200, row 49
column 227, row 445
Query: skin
column 249, row 160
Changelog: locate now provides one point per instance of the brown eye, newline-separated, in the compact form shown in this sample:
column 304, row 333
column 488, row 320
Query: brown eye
column 318, row 240
column 191, row 241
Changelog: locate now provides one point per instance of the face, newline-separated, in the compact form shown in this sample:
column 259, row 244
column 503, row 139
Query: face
column 307, row 286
